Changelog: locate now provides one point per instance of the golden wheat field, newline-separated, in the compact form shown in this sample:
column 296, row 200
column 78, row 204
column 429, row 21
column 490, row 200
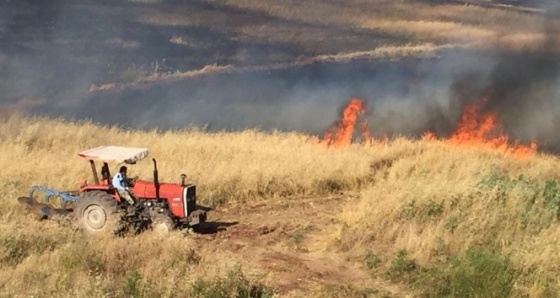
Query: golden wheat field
column 429, row 200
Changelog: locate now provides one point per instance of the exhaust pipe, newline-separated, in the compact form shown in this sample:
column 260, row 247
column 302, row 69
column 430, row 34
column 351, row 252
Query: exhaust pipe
column 156, row 178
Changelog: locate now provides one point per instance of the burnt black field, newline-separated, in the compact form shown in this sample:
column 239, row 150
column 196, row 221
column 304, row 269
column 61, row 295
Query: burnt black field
column 53, row 52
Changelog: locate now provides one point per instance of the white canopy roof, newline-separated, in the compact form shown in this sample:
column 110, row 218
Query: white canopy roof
column 115, row 154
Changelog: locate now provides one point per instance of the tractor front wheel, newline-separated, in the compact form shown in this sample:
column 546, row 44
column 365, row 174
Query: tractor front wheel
column 97, row 213
column 162, row 224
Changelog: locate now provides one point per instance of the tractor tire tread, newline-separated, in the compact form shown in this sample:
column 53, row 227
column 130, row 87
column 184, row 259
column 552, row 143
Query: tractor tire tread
column 162, row 223
column 109, row 206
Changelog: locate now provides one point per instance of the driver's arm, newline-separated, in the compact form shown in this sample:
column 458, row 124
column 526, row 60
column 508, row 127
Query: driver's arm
column 130, row 181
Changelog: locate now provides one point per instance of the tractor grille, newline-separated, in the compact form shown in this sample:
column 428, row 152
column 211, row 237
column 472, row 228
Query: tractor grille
column 189, row 199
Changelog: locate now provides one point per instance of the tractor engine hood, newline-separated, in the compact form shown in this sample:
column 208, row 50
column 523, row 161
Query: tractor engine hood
column 147, row 189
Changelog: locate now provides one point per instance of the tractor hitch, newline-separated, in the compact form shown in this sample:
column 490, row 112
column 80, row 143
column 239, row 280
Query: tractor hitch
column 195, row 218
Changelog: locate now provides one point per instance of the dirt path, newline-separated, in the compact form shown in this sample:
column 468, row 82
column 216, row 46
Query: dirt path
column 292, row 243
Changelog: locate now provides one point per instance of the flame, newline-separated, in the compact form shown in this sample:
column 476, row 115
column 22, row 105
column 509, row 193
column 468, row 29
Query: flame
column 429, row 136
column 474, row 130
column 340, row 134
column 366, row 136
column 482, row 130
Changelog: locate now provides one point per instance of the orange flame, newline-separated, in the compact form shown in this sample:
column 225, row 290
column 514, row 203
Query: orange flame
column 429, row 136
column 474, row 129
column 484, row 131
column 340, row 134
column 366, row 136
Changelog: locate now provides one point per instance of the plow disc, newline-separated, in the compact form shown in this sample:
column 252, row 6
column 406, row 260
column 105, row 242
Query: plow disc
column 42, row 210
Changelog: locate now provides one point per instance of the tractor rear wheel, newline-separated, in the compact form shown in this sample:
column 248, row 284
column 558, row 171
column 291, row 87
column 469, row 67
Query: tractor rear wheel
column 162, row 224
column 97, row 213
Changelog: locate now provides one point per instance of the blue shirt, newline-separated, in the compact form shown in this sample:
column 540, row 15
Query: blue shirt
column 118, row 182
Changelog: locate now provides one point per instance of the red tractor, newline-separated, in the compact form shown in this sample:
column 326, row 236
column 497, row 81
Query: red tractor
column 98, row 208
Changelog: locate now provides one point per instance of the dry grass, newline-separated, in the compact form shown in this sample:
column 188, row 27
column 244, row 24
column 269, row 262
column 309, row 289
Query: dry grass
column 423, row 197
column 228, row 167
column 66, row 264
column 436, row 203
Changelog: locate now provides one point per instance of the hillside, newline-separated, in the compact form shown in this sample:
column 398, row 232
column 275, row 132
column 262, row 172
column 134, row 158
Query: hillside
column 271, row 64
column 343, row 148
column 291, row 216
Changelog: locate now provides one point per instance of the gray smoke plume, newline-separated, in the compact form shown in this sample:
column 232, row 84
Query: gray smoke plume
column 54, row 51
column 521, row 87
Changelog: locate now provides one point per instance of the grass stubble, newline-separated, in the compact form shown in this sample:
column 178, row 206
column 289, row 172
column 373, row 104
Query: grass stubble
column 426, row 214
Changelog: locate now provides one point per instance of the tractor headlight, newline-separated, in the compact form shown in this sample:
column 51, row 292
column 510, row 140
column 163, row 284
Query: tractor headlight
column 149, row 204
column 161, row 210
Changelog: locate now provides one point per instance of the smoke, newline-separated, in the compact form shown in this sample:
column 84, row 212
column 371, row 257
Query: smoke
column 306, row 99
column 56, row 50
column 521, row 87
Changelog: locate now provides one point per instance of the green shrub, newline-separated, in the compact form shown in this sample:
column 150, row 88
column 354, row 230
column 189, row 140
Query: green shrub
column 451, row 224
column 13, row 250
column 372, row 261
column 479, row 273
column 422, row 212
column 401, row 267
column 331, row 185
column 235, row 284
column 408, row 210
column 432, row 209
column 551, row 195
column 299, row 234
column 131, row 287
column 83, row 256
column 136, row 286
column 351, row 291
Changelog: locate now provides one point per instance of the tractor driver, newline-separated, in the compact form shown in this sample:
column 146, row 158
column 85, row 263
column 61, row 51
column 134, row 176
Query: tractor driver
column 120, row 182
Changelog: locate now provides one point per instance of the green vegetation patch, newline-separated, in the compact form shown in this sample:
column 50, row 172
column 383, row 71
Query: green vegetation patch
column 478, row 273
column 234, row 284
column 301, row 232
column 135, row 286
column 372, row 260
column 14, row 249
column 540, row 199
column 402, row 268
column 351, row 291
column 432, row 209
